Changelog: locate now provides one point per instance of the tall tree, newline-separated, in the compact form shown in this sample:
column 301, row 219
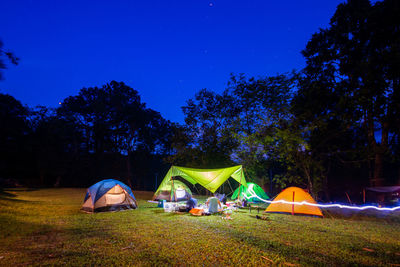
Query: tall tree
column 259, row 106
column 205, row 120
column 13, row 137
column 115, row 121
column 56, row 148
column 356, row 62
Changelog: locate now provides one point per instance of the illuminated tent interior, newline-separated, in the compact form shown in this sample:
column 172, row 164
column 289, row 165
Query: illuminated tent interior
column 180, row 191
column 109, row 195
column 210, row 179
column 294, row 194
column 249, row 192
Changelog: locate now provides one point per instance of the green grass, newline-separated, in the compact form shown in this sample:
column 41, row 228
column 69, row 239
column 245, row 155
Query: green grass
column 46, row 227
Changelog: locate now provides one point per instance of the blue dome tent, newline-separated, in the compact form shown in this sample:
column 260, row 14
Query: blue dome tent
column 109, row 195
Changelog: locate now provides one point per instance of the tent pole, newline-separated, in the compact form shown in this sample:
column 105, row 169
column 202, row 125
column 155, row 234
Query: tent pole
column 240, row 182
column 198, row 192
column 230, row 186
column 173, row 188
column 293, row 204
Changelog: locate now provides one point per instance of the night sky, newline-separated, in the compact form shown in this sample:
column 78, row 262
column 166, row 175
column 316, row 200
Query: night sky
column 167, row 50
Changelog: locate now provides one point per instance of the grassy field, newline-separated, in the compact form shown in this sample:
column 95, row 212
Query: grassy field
column 46, row 227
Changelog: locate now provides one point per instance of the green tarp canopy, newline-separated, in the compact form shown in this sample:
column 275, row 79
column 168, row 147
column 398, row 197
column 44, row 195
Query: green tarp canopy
column 211, row 179
column 248, row 193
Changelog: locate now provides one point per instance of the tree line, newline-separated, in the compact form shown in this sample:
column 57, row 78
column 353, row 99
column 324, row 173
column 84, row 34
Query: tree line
column 331, row 127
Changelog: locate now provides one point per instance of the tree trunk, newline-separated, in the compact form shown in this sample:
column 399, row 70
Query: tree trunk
column 326, row 187
column 398, row 180
column 310, row 186
column 380, row 151
column 325, row 182
column 129, row 170
column 309, row 181
column 378, row 170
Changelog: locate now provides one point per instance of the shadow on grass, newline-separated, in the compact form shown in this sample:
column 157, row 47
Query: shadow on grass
column 6, row 194
column 17, row 200
column 158, row 211
column 21, row 189
column 150, row 207
column 367, row 215
column 12, row 198
column 386, row 253
column 170, row 214
column 12, row 227
column 33, row 243
column 9, row 195
column 288, row 252
column 242, row 211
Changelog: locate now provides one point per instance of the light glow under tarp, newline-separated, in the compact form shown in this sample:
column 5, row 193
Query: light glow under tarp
column 210, row 179
column 253, row 194
column 180, row 193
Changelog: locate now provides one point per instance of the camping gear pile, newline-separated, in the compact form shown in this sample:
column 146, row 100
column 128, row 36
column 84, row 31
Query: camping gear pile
column 173, row 190
column 286, row 202
column 383, row 195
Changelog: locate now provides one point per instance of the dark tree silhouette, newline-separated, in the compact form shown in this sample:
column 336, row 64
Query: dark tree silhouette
column 353, row 70
column 6, row 55
column 13, row 137
column 114, row 121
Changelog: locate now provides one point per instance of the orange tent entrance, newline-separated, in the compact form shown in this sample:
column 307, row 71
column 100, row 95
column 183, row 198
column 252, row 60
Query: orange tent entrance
column 294, row 194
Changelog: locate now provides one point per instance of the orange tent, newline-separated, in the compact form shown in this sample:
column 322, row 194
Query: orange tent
column 294, row 194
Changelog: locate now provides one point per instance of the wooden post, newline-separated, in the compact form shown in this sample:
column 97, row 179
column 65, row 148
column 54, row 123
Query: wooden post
column 348, row 198
column 364, row 195
column 293, row 204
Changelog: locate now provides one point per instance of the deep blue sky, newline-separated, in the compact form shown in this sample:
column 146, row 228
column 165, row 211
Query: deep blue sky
column 167, row 50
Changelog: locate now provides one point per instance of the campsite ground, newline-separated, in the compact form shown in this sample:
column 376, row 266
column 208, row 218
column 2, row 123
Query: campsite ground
column 45, row 227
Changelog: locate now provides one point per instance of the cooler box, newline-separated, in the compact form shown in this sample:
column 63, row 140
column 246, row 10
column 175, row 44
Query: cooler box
column 161, row 203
